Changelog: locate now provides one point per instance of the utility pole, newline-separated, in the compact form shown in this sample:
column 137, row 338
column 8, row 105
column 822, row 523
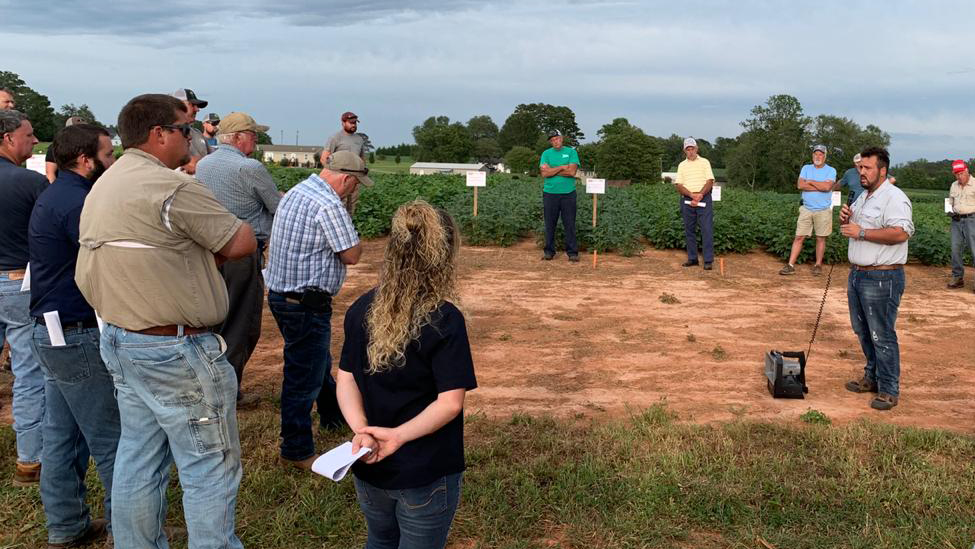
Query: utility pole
column 282, row 137
column 296, row 137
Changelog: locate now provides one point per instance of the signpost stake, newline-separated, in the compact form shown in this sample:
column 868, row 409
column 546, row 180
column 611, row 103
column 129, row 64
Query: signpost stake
column 595, row 200
column 475, row 201
column 476, row 179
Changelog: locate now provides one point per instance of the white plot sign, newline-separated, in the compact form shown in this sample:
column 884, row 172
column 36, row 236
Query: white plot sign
column 36, row 163
column 476, row 179
column 837, row 199
column 595, row 186
column 716, row 193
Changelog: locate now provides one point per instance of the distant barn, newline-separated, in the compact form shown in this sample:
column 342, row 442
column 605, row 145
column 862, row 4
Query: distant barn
column 427, row 168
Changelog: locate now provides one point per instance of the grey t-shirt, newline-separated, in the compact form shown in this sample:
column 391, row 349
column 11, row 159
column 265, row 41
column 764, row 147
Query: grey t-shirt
column 343, row 141
column 198, row 143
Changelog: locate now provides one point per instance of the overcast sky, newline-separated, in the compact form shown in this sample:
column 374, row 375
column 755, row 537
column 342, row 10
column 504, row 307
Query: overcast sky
column 669, row 67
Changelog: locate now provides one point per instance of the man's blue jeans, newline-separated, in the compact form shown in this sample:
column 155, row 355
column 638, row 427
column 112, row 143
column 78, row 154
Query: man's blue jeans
column 177, row 398
column 307, row 374
column 692, row 217
column 962, row 236
column 412, row 518
column 874, row 297
column 80, row 420
column 28, row 397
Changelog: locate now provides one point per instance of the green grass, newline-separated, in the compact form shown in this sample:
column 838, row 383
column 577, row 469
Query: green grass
column 644, row 481
column 389, row 165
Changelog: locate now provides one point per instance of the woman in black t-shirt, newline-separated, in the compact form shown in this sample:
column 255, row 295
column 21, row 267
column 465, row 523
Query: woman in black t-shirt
column 406, row 366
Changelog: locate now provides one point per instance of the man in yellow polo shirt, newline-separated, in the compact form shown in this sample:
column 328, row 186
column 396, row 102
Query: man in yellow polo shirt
column 694, row 182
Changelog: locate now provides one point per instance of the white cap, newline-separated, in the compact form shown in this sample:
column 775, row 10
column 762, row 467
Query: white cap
column 690, row 142
column 856, row 158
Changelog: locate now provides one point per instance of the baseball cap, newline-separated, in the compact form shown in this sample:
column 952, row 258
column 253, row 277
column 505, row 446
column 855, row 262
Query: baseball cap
column 185, row 94
column 820, row 148
column 348, row 162
column 74, row 120
column 857, row 157
column 349, row 115
column 958, row 166
column 554, row 133
column 212, row 118
column 240, row 122
column 690, row 142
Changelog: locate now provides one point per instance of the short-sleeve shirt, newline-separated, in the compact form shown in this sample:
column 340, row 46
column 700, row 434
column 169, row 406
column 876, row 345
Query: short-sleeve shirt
column 694, row 175
column 243, row 185
column 54, row 249
column 19, row 189
column 851, row 180
column 148, row 235
column 886, row 207
column 198, row 144
column 962, row 198
column 439, row 360
column 817, row 200
column 311, row 226
column 560, row 184
column 343, row 141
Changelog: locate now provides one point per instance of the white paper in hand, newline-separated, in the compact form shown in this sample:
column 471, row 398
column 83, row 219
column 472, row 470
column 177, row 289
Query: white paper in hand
column 837, row 199
column 53, row 322
column 716, row 193
column 25, row 285
column 948, row 208
column 335, row 463
column 699, row 204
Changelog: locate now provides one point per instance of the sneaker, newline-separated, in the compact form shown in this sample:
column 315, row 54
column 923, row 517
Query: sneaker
column 707, row 266
column 27, row 473
column 574, row 258
column 97, row 529
column 883, row 401
column 956, row 282
column 548, row 257
column 862, row 385
column 689, row 263
column 303, row 464
column 788, row 270
column 817, row 270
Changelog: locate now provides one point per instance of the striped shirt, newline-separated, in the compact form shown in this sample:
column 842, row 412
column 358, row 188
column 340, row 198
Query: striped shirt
column 311, row 227
column 242, row 185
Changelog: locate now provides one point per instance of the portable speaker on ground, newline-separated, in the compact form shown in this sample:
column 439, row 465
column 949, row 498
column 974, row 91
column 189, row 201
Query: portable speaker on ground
column 786, row 373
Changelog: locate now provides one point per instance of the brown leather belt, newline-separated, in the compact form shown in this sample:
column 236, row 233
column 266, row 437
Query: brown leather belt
column 16, row 274
column 877, row 267
column 170, row 330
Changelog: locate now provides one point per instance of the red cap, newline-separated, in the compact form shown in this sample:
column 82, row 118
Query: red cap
column 349, row 116
column 958, row 166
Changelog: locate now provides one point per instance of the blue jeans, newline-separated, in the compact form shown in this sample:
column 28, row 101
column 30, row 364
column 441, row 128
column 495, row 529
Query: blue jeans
column 80, row 420
column 564, row 206
column 962, row 236
column 874, row 297
column 692, row 217
column 307, row 374
column 177, row 398
column 28, row 397
column 412, row 518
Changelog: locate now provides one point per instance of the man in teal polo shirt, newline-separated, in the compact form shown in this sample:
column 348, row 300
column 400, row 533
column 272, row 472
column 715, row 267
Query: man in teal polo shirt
column 558, row 166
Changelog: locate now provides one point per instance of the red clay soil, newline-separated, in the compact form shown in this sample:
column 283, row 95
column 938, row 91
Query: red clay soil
column 568, row 340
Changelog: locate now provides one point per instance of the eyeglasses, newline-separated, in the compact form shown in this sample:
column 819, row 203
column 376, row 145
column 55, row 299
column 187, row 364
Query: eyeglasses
column 181, row 128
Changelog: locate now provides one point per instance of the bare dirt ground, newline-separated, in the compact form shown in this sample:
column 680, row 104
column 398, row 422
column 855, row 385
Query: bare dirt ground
column 564, row 339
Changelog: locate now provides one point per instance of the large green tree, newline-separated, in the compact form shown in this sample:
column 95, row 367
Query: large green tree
column 626, row 152
column 844, row 138
column 554, row 117
column 778, row 137
column 519, row 130
column 482, row 127
column 439, row 140
column 35, row 105
column 69, row 110
column 522, row 160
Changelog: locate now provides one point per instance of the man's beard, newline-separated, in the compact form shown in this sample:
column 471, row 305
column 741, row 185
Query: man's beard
column 98, row 171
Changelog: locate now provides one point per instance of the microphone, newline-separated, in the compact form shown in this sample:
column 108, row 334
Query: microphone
column 849, row 199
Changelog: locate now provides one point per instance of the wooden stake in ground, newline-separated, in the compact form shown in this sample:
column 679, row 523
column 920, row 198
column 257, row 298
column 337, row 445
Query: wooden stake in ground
column 721, row 265
column 476, row 179
column 595, row 187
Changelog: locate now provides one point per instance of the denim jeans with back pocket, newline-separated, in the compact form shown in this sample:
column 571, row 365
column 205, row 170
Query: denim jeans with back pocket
column 28, row 389
column 409, row 518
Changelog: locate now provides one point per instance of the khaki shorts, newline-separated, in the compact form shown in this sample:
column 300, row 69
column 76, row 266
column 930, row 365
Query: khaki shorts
column 820, row 222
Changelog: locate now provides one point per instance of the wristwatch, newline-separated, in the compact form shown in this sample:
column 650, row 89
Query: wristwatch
column 862, row 235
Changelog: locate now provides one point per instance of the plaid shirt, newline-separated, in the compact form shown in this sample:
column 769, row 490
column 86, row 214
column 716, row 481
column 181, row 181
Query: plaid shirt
column 310, row 228
column 242, row 185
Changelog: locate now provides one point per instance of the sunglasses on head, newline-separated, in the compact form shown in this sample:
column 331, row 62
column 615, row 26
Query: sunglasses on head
column 181, row 128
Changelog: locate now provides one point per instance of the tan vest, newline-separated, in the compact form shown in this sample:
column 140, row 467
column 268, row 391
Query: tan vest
column 148, row 235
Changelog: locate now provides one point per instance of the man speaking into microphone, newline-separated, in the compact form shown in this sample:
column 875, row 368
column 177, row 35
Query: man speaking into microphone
column 878, row 225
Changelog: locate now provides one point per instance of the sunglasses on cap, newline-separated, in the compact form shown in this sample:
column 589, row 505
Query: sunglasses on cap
column 181, row 128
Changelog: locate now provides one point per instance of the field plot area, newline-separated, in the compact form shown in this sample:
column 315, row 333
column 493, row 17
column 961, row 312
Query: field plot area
column 567, row 340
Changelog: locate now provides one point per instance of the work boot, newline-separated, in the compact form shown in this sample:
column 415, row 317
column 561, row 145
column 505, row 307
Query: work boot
column 689, row 263
column 574, row 258
column 707, row 266
column 788, row 270
column 303, row 464
column 27, row 473
column 862, row 385
column 547, row 256
column 96, row 530
column 956, row 282
column 883, row 401
column 817, row 270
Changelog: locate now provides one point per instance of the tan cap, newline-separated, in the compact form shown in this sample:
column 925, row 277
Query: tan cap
column 348, row 162
column 239, row 122
column 74, row 120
